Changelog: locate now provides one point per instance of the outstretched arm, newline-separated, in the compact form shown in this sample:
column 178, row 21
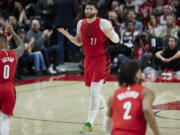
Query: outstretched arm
column 74, row 39
column 108, row 30
column 20, row 49
column 148, row 98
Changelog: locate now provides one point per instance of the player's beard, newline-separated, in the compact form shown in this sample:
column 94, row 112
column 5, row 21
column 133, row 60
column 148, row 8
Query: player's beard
column 90, row 16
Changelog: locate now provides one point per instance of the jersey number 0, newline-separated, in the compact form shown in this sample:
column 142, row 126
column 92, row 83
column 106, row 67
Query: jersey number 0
column 6, row 72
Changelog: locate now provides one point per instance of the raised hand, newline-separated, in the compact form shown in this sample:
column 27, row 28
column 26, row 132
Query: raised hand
column 9, row 29
column 63, row 31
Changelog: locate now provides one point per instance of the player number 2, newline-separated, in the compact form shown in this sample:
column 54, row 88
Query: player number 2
column 127, row 106
column 93, row 41
column 6, row 72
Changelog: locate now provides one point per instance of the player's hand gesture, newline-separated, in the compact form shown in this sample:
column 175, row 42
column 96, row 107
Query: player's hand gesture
column 63, row 31
column 9, row 29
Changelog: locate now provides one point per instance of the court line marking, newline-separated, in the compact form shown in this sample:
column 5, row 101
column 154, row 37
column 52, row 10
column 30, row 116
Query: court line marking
column 163, row 117
column 22, row 91
column 65, row 122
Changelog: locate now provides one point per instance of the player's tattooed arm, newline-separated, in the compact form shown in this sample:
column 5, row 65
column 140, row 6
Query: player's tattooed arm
column 20, row 49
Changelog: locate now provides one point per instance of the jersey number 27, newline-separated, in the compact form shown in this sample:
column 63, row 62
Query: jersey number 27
column 93, row 41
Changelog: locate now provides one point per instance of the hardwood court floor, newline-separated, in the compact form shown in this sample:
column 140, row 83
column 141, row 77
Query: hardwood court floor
column 60, row 108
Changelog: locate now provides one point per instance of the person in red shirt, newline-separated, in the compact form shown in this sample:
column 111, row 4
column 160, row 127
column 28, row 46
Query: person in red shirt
column 93, row 32
column 130, row 108
column 8, row 62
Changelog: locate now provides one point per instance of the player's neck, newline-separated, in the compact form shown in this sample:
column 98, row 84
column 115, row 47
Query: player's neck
column 90, row 20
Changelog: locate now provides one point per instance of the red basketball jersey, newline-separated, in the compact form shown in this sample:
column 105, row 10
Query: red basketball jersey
column 95, row 43
column 127, row 114
column 8, row 66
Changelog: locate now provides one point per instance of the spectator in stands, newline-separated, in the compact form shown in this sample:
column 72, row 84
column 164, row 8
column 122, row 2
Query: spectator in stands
column 115, row 7
column 128, row 36
column 158, row 8
column 13, row 21
column 130, row 4
column 145, row 10
column 44, row 9
column 153, row 27
column 168, row 10
column 170, row 57
column 2, row 20
column 142, row 52
column 36, row 56
column 176, row 7
column 113, row 17
column 40, row 40
column 65, row 12
column 18, row 7
column 131, row 15
column 170, row 29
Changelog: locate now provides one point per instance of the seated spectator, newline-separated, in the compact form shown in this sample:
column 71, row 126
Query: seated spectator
column 170, row 29
column 176, row 7
column 158, row 9
column 36, row 56
column 113, row 17
column 13, row 21
column 145, row 10
column 131, row 15
column 170, row 57
column 130, row 4
column 142, row 52
column 41, row 38
column 153, row 27
column 168, row 10
column 127, row 37
column 115, row 7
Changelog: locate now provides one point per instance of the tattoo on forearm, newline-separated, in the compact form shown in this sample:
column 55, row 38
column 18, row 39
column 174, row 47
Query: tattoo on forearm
column 20, row 49
column 17, row 39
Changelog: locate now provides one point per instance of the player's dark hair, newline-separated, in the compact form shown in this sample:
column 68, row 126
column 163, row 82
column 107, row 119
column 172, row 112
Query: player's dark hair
column 93, row 3
column 127, row 73
column 3, row 37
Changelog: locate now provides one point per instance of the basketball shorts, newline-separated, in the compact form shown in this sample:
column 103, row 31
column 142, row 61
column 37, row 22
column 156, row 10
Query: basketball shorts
column 96, row 68
column 7, row 98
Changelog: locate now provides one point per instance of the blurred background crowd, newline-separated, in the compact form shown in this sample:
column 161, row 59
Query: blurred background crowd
column 148, row 30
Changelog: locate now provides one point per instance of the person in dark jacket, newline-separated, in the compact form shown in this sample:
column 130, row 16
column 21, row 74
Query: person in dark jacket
column 65, row 12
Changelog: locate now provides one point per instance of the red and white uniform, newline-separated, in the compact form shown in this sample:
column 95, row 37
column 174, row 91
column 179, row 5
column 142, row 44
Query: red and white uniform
column 7, row 91
column 127, row 115
column 95, row 44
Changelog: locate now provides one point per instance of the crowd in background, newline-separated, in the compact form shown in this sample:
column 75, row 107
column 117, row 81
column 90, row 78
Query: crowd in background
column 148, row 30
